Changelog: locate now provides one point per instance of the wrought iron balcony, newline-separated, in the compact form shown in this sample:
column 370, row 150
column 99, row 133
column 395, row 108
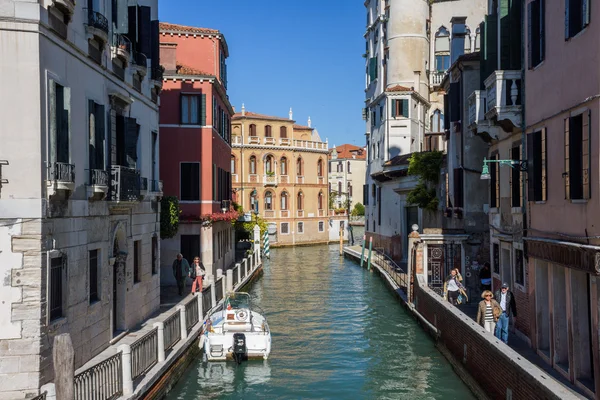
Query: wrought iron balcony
column 62, row 176
column 157, row 74
column 140, row 60
column 97, row 21
column 98, row 177
column 121, row 46
column 125, row 184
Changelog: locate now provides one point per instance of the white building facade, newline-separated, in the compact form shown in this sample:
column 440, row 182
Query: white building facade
column 79, row 209
column 402, row 104
column 346, row 175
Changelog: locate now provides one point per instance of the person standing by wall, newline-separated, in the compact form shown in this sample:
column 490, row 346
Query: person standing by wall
column 488, row 312
column 197, row 272
column 181, row 270
column 453, row 287
column 509, row 307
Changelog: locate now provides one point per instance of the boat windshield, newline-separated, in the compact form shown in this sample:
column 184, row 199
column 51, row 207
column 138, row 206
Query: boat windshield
column 238, row 300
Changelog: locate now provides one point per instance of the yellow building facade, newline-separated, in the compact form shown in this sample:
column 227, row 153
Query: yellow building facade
column 279, row 168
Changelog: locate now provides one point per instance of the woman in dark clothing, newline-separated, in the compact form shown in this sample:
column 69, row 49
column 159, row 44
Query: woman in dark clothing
column 485, row 277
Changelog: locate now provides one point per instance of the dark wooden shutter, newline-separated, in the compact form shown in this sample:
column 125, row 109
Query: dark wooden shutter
column 120, row 16
column 62, row 110
column 491, row 33
column 203, row 109
column 458, row 187
column 132, row 16
column 145, row 31
column 567, row 152
column 493, row 183
column 155, row 34
column 99, row 136
column 505, row 34
column 131, row 140
column 394, row 107
column 405, row 108
column 586, row 155
column 542, row 28
column 446, row 112
column 482, row 55
column 454, row 102
column 531, row 166
column 92, row 134
column 576, row 157
column 530, row 42
column 585, row 11
column 567, row 27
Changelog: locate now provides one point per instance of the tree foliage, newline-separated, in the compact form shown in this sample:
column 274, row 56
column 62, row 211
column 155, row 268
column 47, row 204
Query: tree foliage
column 169, row 217
column 426, row 166
column 359, row 210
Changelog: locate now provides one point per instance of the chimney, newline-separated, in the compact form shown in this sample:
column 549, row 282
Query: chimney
column 168, row 56
column 291, row 114
column 243, row 110
column 309, row 122
column 459, row 34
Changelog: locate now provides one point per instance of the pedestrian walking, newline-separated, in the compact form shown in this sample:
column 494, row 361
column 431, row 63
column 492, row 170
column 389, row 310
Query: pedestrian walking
column 181, row 270
column 197, row 272
column 485, row 277
column 507, row 302
column 453, row 287
column 488, row 312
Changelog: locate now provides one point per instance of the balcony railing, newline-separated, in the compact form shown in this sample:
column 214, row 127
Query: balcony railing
column 253, row 178
column 253, row 140
column 156, row 186
column 320, row 180
column 503, row 98
column 98, row 177
column 101, row 381
column 140, row 59
column 122, row 45
column 269, row 213
column 300, row 213
column 477, row 103
column 61, row 172
column 236, row 139
column 270, row 140
column 125, row 184
column 97, row 20
column 299, row 179
column 321, row 213
column 270, row 180
column 307, row 144
column 284, row 142
column 437, row 77
column 234, row 178
column 143, row 184
column 285, row 213
column 156, row 74
column 284, row 178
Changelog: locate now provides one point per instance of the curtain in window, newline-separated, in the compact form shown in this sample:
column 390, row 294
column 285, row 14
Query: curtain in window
column 283, row 166
column 284, row 201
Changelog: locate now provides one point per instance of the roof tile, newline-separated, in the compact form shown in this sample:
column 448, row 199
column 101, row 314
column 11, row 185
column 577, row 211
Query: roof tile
column 165, row 26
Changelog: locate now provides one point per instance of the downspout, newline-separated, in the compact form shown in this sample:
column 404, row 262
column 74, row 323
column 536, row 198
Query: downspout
column 523, row 122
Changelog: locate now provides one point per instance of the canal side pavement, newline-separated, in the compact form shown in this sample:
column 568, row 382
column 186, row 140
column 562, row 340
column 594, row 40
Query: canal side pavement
column 523, row 361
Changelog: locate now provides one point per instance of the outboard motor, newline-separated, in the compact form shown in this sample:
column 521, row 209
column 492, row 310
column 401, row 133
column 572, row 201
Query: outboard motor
column 239, row 347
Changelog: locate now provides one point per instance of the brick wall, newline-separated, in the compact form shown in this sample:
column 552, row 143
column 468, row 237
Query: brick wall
column 495, row 366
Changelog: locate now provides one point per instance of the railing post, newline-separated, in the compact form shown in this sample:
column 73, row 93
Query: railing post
column 200, row 311
column 370, row 251
column 256, row 238
column 182, row 322
column 239, row 273
column 219, row 273
column 125, row 349
column 50, row 390
column 229, row 280
column 160, row 334
column 362, row 254
column 213, row 294
column 245, row 268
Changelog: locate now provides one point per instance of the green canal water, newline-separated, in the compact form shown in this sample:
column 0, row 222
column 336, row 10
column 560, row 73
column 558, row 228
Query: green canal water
column 337, row 332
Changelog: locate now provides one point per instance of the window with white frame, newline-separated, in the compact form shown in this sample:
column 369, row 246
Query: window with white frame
column 285, row 228
column 442, row 49
column 321, row 226
column 300, row 227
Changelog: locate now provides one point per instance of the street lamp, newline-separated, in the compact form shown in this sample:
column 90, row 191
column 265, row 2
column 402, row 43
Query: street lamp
column 521, row 165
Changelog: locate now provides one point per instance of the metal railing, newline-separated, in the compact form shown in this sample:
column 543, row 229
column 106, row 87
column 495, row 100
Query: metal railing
column 139, row 59
column 156, row 185
column 206, row 301
column 41, row 396
column 143, row 184
column 156, row 74
column 125, row 184
column 97, row 20
column 103, row 381
column 235, row 275
column 397, row 273
column 172, row 330
column 98, row 177
column 219, row 289
column 61, row 172
column 121, row 42
column 144, row 353
column 191, row 314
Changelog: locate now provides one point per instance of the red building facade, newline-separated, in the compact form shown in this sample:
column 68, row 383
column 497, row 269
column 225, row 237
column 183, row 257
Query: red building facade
column 195, row 116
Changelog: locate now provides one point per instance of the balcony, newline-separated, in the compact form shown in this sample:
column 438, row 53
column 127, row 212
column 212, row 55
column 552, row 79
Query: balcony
column 236, row 140
column 299, row 179
column 477, row 103
column 125, row 184
column 143, row 186
column 253, row 178
column 300, row 213
column 307, row 144
column 235, row 178
column 269, row 213
column 284, row 142
column 320, row 180
column 140, row 62
column 156, row 187
column 97, row 25
column 270, row 180
column 270, row 141
column 503, row 99
column 65, row 6
column 284, row 178
column 156, row 75
column 285, row 213
column 253, row 140
column 321, row 213
column 61, row 176
column 121, row 48
column 437, row 77
column 98, row 187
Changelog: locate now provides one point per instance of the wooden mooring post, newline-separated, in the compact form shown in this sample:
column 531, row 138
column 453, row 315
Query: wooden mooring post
column 341, row 240
column 63, row 357
column 370, row 251
column 362, row 254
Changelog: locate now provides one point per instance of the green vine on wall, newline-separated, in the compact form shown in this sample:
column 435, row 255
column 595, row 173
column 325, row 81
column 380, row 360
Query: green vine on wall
column 169, row 217
column 426, row 166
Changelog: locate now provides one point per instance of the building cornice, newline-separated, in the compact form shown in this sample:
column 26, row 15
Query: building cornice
column 279, row 148
column 203, row 78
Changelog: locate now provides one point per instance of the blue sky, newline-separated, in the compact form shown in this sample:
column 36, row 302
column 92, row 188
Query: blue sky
column 304, row 54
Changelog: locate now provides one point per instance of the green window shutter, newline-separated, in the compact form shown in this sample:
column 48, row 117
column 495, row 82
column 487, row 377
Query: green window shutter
column 405, row 108
column 585, row 10
column 491, row 35
column 203, row 110
column 566, row 173
column 567, row 30
column 505, row 34
column 530, row 35
column 92, row 134
column 394, row 107
column 482, row 54
column 100, row 136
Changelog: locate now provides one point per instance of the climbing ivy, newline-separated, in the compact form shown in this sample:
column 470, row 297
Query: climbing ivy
column 169, row 217
column 426, row 166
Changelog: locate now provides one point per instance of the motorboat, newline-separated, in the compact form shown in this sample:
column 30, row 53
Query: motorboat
column 236, row 332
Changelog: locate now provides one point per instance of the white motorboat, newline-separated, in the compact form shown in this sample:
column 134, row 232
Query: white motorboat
column 236, row 332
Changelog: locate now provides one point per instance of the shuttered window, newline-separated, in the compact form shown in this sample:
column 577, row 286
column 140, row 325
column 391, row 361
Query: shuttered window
column 536, row 32
column 132, row 133
column 455, row 103
column 458, row 188
column 93, row 271
column 577, row 16
column 577, row 157
column 96, row 135
column 193, row 109
column 60, row 105
column 516, row 187
column 190, row 181
column 400, row 108
column 494, row 182
column 536, row 166
column 372, row 69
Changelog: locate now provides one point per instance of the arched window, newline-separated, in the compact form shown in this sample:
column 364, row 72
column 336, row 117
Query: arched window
column 320, row 200
column 269, row 164
column 252, row 130
column 300, row 201
column 467, row 40
column 232, row 164
column 284, row 200
column 268, row 131
column 253, row 201
column 442, row 49
column 283, row 166
column 283, row 132
column 299, row 165
column 320, row 168
column 268, row 200
column 252, row 162
column 437, row 121
column 477, row 39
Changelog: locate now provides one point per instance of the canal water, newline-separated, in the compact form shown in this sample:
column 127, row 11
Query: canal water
column 337, row 333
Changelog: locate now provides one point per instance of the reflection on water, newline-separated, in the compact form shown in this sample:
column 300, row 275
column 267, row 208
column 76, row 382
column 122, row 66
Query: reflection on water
column 338, row 333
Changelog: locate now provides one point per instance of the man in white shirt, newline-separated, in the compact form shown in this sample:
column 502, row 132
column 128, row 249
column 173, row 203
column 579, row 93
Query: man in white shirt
column 509, row 307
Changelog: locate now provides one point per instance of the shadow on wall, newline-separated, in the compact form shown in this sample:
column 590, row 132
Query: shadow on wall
column 394, row 151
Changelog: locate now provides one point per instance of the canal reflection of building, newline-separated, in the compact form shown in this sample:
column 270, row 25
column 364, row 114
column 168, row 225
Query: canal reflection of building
column 248, row 373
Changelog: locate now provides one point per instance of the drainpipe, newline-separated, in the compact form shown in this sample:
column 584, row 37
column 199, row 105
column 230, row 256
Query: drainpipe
column 523, row 121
